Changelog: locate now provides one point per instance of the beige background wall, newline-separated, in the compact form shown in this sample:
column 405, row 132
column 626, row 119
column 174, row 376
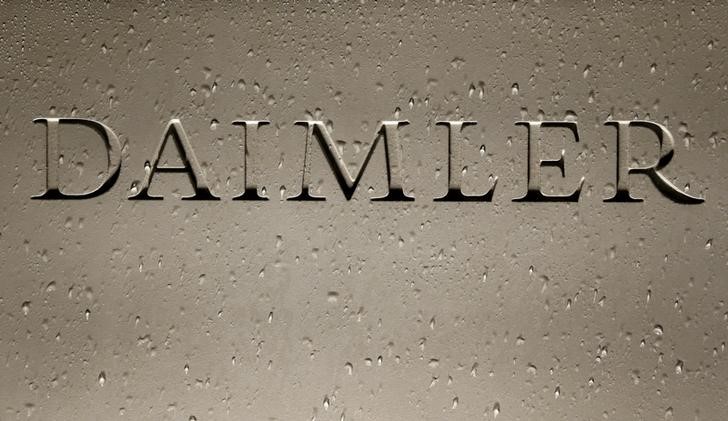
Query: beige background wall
column 358, row 310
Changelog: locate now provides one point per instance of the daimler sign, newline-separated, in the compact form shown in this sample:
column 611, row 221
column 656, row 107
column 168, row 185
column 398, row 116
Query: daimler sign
column 414, row 210
column 386, row 134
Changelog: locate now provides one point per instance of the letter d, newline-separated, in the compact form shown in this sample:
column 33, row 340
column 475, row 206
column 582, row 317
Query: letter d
column 113, row 155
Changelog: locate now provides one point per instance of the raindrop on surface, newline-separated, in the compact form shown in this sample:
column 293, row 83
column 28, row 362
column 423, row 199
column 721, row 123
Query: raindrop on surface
column 25, row 307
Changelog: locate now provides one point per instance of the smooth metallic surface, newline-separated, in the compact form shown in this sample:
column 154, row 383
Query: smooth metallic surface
column 478, row 307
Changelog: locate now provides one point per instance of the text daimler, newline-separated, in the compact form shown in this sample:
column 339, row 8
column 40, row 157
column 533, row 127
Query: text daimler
column 386, row 136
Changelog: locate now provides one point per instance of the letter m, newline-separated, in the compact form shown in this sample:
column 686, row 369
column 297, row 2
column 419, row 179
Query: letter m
column 387, row 131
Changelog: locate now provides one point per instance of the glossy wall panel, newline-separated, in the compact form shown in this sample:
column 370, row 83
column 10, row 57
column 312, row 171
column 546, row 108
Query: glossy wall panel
column 450, row 300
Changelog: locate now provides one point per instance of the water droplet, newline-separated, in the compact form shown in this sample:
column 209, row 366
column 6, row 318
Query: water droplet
column 25, row 307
